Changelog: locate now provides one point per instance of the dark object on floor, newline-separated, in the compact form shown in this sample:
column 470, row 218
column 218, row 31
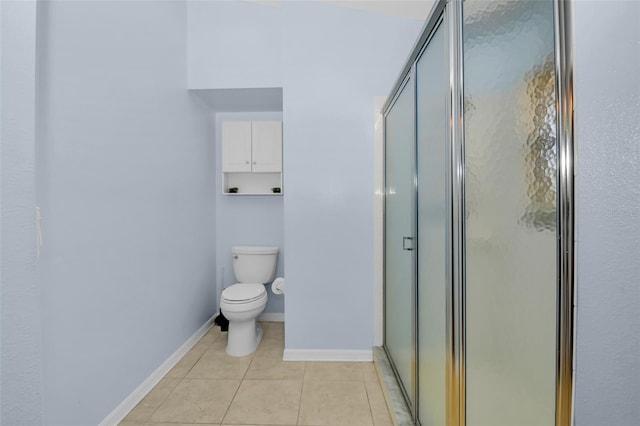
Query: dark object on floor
column 222, row 322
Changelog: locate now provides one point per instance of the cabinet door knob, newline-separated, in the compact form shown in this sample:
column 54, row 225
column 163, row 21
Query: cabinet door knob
column 247, row 162
column 254, row 162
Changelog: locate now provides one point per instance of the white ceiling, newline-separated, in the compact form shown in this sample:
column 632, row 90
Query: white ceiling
column 411, row 9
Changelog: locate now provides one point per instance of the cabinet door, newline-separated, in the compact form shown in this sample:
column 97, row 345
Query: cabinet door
column 267, row 146
column 236, row 146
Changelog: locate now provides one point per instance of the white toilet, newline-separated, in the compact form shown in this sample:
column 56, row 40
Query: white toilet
column 242, row 302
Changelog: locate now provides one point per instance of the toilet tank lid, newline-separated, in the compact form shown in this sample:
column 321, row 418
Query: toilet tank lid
column 254, row 250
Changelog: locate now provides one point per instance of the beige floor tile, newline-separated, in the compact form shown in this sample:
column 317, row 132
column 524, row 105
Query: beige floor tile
column 270, row 349
column 202, row 346
column 272, row 337
column 273, row 330
column 369, row 371
column 272, row 393
column 167, row 424
column 197, row 401
column 145, row 408
column 139, row 415
column 265, row 402
column 378, row 405
column 220, row 343
column 214, row 331
column 334, row 403
column 325, row 371
column 184, row 365
column 216, row 364
column 207, row 340
column 273, row 368
column 271, row 345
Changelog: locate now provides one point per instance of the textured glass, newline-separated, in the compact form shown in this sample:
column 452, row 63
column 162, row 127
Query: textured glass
column 431, row 85
column 510, row 203
column 399, row 218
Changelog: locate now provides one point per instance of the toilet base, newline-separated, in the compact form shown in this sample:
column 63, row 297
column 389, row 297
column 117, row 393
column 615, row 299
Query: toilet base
column 243, row 337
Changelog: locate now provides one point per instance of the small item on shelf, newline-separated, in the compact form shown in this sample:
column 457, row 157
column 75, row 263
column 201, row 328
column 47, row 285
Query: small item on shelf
column 276, row 190
column 233, row 190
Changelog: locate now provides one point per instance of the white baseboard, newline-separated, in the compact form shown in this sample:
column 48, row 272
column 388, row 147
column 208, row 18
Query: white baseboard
column 145, row 387
column 327, row 355
column 271, row 317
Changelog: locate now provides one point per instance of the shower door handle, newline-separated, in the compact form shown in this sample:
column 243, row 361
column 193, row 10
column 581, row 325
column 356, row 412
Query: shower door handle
column 407, row 243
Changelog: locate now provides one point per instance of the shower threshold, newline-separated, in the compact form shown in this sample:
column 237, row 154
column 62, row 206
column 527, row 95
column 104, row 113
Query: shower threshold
column 398, row 408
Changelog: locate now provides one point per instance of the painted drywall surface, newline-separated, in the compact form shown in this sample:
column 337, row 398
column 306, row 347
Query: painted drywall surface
column 242, row 100
column 607, row 94
column 246, row 220
column 411, row 9
column 234, row 44
column 21, row 358
column 126, row 178
column 336, row 61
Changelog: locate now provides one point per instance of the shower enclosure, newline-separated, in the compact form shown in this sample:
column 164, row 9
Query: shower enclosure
column 478, row 217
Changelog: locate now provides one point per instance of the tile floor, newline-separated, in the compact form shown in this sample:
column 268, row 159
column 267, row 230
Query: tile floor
column 209, row 387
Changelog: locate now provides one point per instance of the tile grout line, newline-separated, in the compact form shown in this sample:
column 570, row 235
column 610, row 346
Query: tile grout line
column 366, row 390
column 304, row 373
column 235, row 394
column 253, row 357
column 202, row 354
column 163, row 399
column 231, row 402
column 180, row 380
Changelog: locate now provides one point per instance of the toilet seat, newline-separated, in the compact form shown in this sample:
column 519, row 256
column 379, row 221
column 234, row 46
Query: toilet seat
column 243, row 293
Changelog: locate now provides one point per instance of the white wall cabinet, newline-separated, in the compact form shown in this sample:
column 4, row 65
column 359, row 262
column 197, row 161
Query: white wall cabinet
column 236, row 146
column 252, row 157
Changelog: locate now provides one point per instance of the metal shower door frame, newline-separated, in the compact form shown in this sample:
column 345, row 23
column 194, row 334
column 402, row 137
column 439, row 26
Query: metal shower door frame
column 450, row 13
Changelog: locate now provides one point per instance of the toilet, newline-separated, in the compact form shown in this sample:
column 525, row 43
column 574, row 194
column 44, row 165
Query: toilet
column 241, row 303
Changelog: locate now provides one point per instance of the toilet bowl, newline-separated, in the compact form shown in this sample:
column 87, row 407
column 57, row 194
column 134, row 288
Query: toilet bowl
column 244, row 301
column 241, row 304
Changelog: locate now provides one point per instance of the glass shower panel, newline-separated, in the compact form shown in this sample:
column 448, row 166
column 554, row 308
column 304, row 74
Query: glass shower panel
column 433, row 242
column 399, row 230
column 510, row 212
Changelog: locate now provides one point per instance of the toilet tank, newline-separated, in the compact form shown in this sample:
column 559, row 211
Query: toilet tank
column 254, row 264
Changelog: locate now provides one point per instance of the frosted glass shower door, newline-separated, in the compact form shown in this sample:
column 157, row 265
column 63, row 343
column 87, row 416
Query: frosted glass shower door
column 433, row 239
column 399, row 231
column 510, row 213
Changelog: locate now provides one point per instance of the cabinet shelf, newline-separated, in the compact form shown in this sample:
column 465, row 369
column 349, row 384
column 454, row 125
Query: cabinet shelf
column 252, row 183
column 253, row 193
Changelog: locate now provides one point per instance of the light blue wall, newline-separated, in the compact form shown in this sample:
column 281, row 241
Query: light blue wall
column 247, row 220
column 331, row 62
column 126, row 172
column 335, row 61
column 21, row 359
column 234, row 44
column 607, row 99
